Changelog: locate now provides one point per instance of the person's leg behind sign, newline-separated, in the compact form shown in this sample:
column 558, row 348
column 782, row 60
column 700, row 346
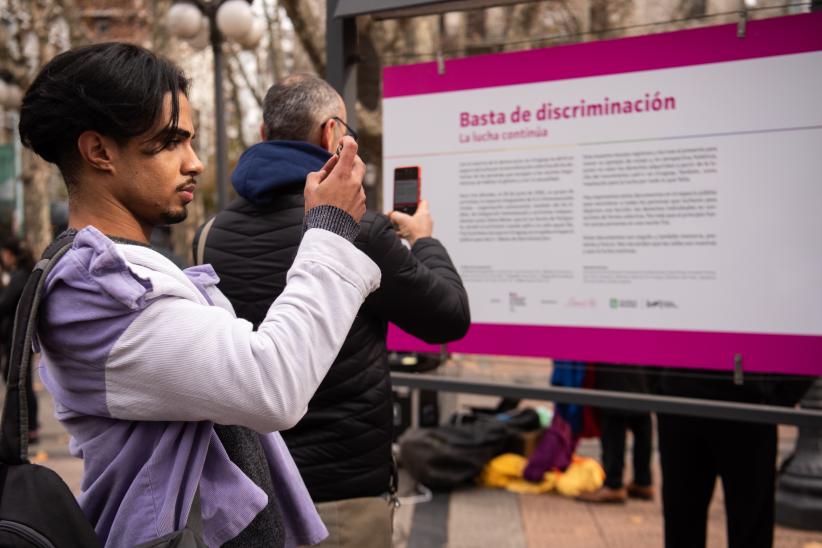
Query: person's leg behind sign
column 641, row 426
column 612, row 439
column 688, row 479
column 747, row 465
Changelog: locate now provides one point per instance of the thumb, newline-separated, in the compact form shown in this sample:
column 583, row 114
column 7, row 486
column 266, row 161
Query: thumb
column 347, row 154
column 398, row 217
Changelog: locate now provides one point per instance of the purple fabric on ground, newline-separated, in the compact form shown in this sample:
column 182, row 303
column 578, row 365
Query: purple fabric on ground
column 553, row 452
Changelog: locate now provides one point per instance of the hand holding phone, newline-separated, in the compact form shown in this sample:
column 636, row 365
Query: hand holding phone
column 338, row 183
column 413, row 227
column 329, row 165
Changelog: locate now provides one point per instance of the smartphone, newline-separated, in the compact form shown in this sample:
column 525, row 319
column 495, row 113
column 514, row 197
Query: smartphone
column 406, row 189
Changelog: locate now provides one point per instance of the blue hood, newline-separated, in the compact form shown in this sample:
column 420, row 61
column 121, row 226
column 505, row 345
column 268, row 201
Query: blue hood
column 268, row 167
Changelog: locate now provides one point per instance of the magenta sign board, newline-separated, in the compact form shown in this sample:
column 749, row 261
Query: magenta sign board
column 650, row 200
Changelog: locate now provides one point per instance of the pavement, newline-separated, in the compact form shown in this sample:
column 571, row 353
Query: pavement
column 477, row 517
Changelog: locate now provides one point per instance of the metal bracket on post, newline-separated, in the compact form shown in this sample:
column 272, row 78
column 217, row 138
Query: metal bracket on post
column 742, row 25
column 739, row 377
column 440, row 40
column 440, row 63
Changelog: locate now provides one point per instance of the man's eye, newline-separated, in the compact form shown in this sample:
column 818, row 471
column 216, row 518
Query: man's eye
column 173, row 144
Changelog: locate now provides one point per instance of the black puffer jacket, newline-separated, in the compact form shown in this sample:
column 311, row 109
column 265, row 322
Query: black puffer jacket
column 343, row 444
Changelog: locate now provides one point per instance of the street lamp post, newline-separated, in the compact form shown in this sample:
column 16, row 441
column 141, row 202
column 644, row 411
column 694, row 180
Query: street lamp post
column 212, row 21
column 219, row 107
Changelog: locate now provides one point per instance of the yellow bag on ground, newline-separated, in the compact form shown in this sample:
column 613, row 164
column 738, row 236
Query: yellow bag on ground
column 505, row 472
column 583, row 476
column 548, row 484
column 500, row 471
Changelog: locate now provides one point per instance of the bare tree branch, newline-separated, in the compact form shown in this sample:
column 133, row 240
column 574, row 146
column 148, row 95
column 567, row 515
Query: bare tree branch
column 570, row 22
column 310, row 30
column 235, row 101
column 72, row 16
column 238, row 65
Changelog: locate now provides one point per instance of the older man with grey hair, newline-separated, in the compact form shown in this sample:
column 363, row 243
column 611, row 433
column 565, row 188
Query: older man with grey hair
column 342, row 446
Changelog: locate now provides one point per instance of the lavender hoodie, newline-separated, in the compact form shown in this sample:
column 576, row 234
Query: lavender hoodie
column 143, row 358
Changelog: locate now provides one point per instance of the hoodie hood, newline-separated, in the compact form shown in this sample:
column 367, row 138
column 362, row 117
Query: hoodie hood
column 267, row 168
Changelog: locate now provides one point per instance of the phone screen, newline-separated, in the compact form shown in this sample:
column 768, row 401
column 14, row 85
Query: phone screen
column 406, row 189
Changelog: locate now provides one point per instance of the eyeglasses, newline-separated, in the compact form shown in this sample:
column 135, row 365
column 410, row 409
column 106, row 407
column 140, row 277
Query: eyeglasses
column 348, row 129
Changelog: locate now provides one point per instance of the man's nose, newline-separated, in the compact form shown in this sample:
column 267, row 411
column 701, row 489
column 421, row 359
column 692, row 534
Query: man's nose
column 193, row 166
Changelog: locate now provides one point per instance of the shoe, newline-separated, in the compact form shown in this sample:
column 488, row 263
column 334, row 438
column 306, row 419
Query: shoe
column 642, row 492
column 606, row 495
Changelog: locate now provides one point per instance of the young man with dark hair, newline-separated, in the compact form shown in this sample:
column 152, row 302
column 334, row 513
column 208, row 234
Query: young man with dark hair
column 143, row 359
column 343, row 444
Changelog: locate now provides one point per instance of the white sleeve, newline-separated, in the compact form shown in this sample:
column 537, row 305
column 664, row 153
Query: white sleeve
column 182, row 361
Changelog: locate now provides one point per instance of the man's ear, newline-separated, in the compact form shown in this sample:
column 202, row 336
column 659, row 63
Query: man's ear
column 327, row 135
column 96, row 150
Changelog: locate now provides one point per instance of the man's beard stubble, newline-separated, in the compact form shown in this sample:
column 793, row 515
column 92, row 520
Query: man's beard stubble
column 170, row 217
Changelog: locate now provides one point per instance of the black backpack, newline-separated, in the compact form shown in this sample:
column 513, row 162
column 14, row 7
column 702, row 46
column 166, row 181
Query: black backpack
column 37, row 509
column 452, row 455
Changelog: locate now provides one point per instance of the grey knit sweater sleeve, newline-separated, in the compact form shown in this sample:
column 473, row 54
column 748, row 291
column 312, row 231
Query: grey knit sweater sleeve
column 332, row 219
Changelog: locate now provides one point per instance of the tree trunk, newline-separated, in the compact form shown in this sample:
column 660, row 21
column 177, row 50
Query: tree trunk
column 35, row 174
column 275, row 51
column 598, row 17
column 476, row 32
column 691, row 8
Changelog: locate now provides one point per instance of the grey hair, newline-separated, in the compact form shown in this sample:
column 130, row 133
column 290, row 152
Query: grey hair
column 294, row 109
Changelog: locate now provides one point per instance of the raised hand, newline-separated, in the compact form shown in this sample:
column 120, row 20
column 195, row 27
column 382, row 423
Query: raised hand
column 339, row 182
column 413, row 227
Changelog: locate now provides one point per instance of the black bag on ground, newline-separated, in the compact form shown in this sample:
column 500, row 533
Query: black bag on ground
column 37, row 509
column 520, row 424
column 454, row 454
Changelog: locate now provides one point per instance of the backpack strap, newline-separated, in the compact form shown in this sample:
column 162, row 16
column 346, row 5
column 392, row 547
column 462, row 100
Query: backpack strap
column 195, row 515
column 14, row 427
column 199, row 257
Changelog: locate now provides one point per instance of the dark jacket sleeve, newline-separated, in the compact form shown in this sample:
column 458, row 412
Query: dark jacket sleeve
column 420, row 290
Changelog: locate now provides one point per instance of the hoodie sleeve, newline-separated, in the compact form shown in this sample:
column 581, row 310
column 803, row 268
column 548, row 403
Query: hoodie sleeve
column 181, row 361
